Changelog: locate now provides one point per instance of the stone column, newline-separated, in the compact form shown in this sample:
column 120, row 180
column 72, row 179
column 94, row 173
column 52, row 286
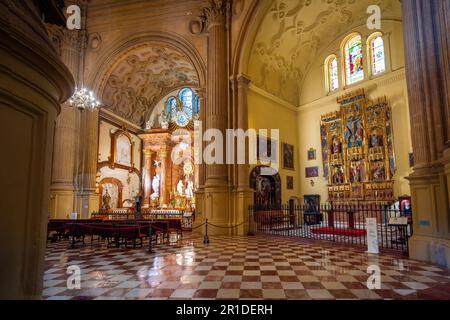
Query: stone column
column 217, row 195
column 217, row 84
column 30, row 101
column 242, row 121
column 148, row 176
column 88, row 200
column 243, row 194
column 66, row 130
column 427, row 72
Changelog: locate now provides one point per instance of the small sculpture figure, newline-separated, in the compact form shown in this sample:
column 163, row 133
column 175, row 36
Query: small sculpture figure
column 155, row 186
column 106, row 200
column 189, row 190
column 164, row 120
column 180, row 188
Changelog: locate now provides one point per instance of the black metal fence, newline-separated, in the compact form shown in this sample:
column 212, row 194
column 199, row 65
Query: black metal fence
column 340, row 223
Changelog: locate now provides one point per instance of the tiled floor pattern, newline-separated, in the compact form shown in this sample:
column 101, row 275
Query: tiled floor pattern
column 238, row 268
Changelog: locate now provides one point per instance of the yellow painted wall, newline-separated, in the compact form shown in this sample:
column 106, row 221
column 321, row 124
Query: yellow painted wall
column 316, row 102
column 265, row 112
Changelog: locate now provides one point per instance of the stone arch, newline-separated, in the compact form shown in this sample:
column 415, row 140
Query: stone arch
column 246, row 38
column 124, row 45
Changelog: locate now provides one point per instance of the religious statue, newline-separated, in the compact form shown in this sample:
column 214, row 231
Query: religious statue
column 106, row 199
column 155, row 186
column 338, row 177
column 375, row 139
column 336, row 146
column 189, row 190
column 355, row 173
column 180, row 188
column 150, row 124
column 379, row 173
column 164, row 120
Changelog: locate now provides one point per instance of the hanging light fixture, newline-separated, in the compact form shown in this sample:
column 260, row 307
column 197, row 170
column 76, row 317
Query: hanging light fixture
column 83, row 99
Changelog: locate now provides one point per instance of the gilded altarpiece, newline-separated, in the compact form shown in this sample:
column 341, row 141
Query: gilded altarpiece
column 357, row 150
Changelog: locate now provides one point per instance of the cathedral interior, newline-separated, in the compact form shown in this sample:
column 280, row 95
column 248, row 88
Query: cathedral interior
column 109, row 109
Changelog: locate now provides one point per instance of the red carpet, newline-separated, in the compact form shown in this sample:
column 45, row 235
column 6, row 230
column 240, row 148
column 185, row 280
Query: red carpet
column 340, row 231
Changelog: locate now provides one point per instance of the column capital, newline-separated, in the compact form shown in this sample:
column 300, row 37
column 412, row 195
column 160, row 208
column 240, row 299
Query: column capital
column 201, row 92
column 243, row 80
column 148, row 152
column 216, row 12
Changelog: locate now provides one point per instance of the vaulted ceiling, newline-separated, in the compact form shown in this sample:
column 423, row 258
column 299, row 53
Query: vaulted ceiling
column 294, row 31
column 142, row 77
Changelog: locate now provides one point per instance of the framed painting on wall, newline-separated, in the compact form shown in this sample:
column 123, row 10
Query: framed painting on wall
column 312, row 154
column 312, row 172
column 288, row 156
column 290, row 183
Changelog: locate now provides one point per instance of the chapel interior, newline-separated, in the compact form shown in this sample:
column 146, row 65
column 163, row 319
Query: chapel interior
column 101, row 123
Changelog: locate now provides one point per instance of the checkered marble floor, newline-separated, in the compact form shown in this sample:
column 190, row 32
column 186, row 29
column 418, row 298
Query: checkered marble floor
column 237, row 268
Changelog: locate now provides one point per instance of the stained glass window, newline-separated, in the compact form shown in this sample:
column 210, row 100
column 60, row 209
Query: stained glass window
column 187, row 99
column 172, row 105
column 354, row 60
column 377, row 55
column 333, row 74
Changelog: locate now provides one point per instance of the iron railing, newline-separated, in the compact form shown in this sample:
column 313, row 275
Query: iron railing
column 340, row 223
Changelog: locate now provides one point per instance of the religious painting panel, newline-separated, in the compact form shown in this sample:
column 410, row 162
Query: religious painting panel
column 123, row 150
column 359, row 143
column 311, row 154
column 290, row 183
column 312, row 172
column 288, row 156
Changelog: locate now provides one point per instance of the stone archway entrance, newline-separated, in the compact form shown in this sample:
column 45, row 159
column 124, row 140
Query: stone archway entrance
column 267, row 185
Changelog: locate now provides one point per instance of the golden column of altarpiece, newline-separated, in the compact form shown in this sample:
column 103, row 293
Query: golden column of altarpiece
column 358, row 150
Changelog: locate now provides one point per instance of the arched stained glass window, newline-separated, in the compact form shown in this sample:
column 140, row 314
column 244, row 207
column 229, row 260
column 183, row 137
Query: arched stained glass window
column 172, row 105
column 187, row 99
column 377, row 54
column 332, row 73
column 354, row 66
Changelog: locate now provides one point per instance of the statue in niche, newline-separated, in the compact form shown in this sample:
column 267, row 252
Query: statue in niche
column 180, row 188
column 336, row 146
column 338, row 177
column 379, row 173
column 189, row 189
column 155, row 186
column 376, row 139
column 355, row 173
column 106, row 199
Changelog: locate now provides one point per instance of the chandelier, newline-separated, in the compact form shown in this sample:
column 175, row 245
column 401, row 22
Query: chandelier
column 83, row 99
